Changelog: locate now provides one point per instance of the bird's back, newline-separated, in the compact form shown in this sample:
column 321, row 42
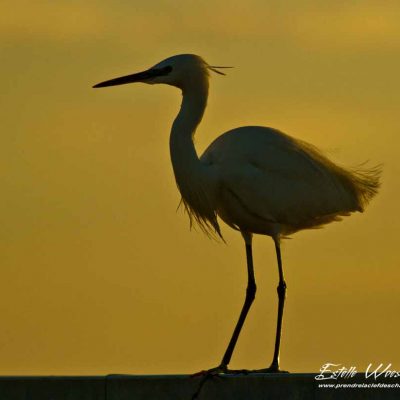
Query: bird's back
column 267, row 177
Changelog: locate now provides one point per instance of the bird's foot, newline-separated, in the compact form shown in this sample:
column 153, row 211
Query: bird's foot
column 272, row 369
column 221, row 369
column 205, row 375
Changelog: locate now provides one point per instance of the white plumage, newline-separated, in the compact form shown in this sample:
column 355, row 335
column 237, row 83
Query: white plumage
column 274, row 184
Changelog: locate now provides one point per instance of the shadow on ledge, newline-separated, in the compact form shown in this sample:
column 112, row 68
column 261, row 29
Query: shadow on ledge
column 182, row 387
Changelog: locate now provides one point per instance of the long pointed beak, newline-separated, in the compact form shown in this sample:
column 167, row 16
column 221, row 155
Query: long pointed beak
column 139, row 77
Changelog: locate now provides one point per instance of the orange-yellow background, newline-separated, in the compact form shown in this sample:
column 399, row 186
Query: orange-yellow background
column 99, row 274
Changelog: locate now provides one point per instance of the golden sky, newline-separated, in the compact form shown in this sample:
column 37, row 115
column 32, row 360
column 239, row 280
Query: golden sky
column 100, row 274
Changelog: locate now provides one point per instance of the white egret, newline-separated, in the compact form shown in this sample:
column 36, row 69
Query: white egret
column 256, row 179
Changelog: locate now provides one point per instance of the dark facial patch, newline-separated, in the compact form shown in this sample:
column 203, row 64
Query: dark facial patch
column 163, row 71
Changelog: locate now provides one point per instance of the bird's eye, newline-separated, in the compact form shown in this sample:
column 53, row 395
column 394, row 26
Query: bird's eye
column 154, row 72
column 166, row 70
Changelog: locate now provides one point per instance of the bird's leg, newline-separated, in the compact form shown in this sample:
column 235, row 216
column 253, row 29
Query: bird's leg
column 250, row 295
column 281, row 289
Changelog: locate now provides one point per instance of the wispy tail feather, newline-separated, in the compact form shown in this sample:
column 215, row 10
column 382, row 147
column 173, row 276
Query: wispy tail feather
column 366, row 183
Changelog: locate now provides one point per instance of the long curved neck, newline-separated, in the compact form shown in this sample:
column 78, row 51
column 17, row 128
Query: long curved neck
column 192, row 176
column 183, row 153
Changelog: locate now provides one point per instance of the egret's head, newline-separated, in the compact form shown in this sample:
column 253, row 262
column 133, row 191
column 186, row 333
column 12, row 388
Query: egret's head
column 180, row 71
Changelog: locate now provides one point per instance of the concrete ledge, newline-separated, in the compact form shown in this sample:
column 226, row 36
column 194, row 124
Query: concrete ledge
column 52, row 388
column 181, row 387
